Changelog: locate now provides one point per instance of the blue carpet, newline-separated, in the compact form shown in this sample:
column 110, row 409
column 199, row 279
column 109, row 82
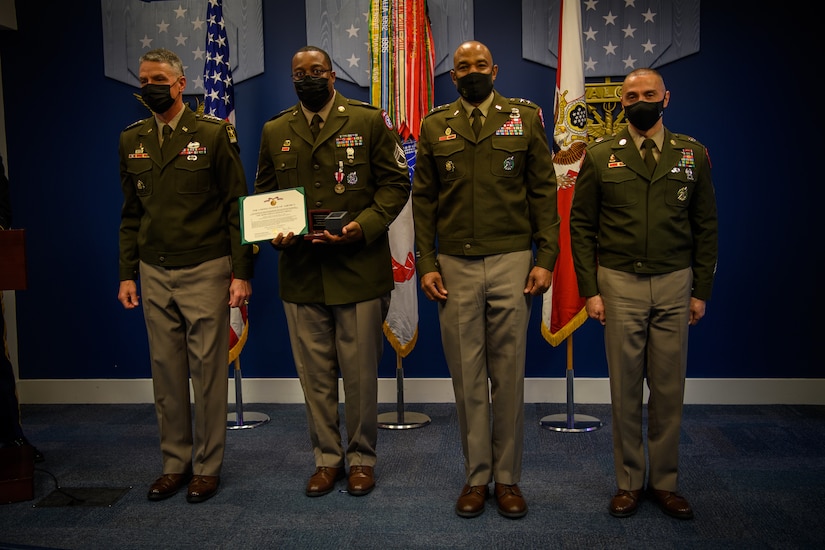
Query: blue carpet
column 755, row 476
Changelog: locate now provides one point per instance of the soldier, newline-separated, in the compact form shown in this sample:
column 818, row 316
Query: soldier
column 482, row 198
column 336, row 287
column 181, row 176
column 643, row 232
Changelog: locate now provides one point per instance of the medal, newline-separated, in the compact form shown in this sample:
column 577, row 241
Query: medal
column 339, row 178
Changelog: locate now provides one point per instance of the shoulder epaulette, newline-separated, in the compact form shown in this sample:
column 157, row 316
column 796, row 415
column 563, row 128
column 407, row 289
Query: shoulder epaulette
column 359, row 103
column 688, row 138
column 522, row 101
column 438, row 108
column 282, row 113
column 209, row 118
column 603, row 139
column 135, row 123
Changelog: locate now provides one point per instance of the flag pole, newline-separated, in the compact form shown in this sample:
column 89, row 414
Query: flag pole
column 570, row 422
column 401, row 420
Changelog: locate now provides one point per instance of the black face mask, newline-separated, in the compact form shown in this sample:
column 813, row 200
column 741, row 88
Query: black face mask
column 158, row 97
column 644, row 114
column 475, row 87
column 313, row 92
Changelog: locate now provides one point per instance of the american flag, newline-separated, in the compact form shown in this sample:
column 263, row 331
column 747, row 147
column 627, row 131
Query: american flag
column 218, row 95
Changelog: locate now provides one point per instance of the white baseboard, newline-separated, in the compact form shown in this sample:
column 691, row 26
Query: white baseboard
column 707, row 391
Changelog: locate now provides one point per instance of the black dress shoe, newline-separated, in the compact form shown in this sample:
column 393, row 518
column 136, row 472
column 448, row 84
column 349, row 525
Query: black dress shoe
column 167, row 485
column 202, row 488
column 625, row 503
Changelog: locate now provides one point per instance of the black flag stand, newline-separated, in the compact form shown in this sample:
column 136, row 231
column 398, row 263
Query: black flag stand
column 570, row 422
column 401, row 420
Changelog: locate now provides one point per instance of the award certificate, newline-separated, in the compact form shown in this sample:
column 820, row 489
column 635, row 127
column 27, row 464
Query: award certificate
column 265, row 215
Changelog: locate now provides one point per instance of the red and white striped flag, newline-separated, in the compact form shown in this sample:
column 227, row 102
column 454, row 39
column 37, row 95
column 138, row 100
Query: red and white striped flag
column 562, row 307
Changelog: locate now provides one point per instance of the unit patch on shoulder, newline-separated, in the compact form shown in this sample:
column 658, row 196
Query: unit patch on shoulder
column 387, row 120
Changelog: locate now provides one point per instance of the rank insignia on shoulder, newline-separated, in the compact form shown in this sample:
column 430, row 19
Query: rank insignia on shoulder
column 230, row 131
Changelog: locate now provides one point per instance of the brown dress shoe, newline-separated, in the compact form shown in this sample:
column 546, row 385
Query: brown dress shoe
column 167, row 485
column 361, row 480
column 323, row 480
column 672, row 504
column 511, row 503
column 625, row 503
column 202, row 488
column 471, row 501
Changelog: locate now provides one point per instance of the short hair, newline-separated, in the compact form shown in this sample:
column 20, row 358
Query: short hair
column 316, row 49
column 162, row 55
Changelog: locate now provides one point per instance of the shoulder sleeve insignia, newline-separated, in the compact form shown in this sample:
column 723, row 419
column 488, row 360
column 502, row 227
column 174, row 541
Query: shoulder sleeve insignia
column 230, row 131
column 387, row 119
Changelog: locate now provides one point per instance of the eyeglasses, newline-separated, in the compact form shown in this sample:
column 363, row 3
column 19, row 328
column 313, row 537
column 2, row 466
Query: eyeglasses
column 314, row 73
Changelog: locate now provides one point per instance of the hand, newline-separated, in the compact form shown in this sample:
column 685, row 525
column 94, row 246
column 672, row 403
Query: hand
column 239, row 292
column 351, row 233
column 280, row 241
column 594, row 306
column 127, row 294
column 433, row 286
column 538, row 281
column 697, row 310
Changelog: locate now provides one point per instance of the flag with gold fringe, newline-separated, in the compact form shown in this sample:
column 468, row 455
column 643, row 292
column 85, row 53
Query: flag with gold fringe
column 562, row 307
column 402, row 62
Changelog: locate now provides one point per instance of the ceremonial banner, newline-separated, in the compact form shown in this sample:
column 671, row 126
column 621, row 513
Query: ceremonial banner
column 402, row 67
column 562, row 307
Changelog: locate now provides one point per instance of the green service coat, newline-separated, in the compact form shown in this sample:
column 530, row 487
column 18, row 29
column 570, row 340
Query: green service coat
column 624, row 219
column 359, row 142
column 184, row 210
column 487, row 195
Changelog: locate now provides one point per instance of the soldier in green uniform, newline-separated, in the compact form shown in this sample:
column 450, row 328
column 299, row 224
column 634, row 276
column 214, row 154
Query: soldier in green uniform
column 482, row 199
column 180, row 234
column 643, row 233
column 336, row 287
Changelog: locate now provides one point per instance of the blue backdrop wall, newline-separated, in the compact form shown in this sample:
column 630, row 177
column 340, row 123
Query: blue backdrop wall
column 743, row 95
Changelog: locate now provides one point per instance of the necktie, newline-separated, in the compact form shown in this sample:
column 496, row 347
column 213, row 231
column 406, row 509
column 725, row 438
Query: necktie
column 315, row 126
column 476, row 121
column 167, row 134
column 650, row 158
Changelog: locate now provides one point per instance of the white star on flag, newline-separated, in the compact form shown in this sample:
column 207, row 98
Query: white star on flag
column 218, row 96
